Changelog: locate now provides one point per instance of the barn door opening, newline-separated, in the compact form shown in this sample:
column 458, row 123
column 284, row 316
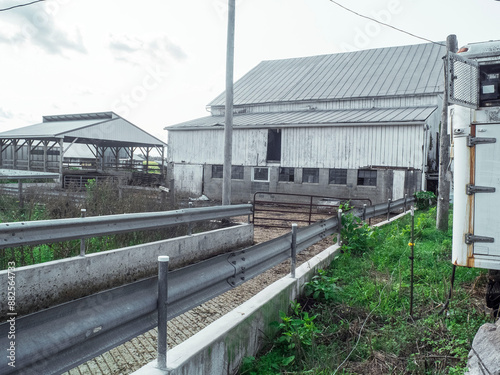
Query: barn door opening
column 273, row 145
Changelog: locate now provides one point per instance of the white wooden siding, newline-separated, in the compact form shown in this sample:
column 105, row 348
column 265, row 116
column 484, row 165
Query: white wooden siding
column 188, row 178
column 353, row 147
column 394, row 102
column 207, row 146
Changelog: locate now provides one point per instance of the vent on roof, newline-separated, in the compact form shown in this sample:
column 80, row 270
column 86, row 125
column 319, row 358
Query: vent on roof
column 81, row 116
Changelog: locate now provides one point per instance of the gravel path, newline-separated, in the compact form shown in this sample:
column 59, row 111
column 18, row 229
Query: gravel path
column 136, row 353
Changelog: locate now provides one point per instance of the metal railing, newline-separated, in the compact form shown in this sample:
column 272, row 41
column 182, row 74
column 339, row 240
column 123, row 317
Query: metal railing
column 60, row 338
column 49, row 231
column 272, row 206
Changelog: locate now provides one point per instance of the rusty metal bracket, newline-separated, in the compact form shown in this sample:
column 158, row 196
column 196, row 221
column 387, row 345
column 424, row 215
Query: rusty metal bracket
column 472, row 189
column 471, row 238
column 472, row 141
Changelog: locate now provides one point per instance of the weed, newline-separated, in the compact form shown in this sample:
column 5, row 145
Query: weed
column 361, row 309
column 357, row 237
column 322, row 287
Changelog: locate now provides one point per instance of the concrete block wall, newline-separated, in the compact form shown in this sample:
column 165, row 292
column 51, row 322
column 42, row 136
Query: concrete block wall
column 47, row 284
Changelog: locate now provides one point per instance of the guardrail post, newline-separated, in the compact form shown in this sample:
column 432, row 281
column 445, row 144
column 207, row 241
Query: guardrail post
column 339, row 226
column 389, row 209
column 162, row 310
column 82, row 241
column 20, row 191
column 294, row 250
column 248, row 219
column 364, row 212
column 190, row 225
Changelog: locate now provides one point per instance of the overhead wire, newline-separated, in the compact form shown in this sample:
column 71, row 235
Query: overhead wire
column 20, row 5
column 385, row 24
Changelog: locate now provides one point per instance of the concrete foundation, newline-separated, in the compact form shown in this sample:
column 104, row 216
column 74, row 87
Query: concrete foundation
column 407, row 182
column 47, row 284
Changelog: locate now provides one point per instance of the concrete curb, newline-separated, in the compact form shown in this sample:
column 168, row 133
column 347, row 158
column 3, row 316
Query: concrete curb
column 47, row 284
column 220, row 347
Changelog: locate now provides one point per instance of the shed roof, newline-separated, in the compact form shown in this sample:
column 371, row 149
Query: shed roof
column 392, row 71
column 101, row 128
column 372, row 116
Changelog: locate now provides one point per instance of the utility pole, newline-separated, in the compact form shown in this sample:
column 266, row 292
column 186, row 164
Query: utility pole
column 443, row 203
column 228, row 127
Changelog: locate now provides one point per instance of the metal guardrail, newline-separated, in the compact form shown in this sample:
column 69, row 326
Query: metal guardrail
column 48, row 231
column 60, row 338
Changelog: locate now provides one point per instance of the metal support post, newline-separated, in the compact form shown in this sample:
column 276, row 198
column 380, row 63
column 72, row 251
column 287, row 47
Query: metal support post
column 162, row 310
column 406, row 202
column 339, row 219
column 20, row 191
column 412, row 245
column 310, row 210
column 172, row 193
column 389, row 209
column 82, row 241
column 364, row 212
column 190, row 225
column 249, row 219
column 294, row 250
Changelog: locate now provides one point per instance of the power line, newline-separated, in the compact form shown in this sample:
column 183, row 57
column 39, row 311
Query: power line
column 385, row 24
column 20, row 5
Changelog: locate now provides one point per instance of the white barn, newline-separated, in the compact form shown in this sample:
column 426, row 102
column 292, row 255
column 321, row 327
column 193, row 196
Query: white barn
column 350, row 125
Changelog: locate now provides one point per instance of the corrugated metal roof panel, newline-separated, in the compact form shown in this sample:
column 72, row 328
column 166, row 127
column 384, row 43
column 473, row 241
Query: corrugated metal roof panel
column 98, row 129
column 352, row 116
column 392, row 71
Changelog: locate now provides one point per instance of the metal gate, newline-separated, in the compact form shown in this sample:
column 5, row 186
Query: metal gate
column 280, row 210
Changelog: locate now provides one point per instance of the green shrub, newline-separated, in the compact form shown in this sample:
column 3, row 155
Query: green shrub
column 357, row 237
column 424, row 199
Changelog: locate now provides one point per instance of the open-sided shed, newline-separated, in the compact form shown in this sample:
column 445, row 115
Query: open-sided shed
column 111, row 140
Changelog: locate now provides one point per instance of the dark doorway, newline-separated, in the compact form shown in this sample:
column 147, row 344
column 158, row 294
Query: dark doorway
column 273, row 145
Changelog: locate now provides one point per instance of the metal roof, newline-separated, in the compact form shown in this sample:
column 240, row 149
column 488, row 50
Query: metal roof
column 102, row 128
column 392, row 71
column 375, row 116
column 14, row 174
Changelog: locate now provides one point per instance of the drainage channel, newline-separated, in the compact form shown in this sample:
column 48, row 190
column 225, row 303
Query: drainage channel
column 141, row 350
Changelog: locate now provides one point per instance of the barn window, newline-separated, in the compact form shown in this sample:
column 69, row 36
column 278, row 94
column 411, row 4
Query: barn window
column 367, row 177
column 337, row 176
column 237, row 172
column 273, row 145
column 260, row 174
column 287, row 175
column 310, row 175
column 217, row 171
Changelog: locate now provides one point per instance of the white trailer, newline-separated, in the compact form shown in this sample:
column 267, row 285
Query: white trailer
column 474, row 76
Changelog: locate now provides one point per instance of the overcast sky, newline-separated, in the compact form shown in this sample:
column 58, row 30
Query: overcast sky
column 159, row 62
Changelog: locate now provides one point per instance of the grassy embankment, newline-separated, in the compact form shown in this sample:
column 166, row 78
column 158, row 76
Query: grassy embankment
column 102, row 199
column 356, row 318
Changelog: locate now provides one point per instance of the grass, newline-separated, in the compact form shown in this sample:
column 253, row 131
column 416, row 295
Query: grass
column 361, row 309
column 102, row 199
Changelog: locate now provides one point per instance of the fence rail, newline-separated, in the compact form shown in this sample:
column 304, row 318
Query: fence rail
column 270, row 209
column 48, row 231
column 60, row 338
